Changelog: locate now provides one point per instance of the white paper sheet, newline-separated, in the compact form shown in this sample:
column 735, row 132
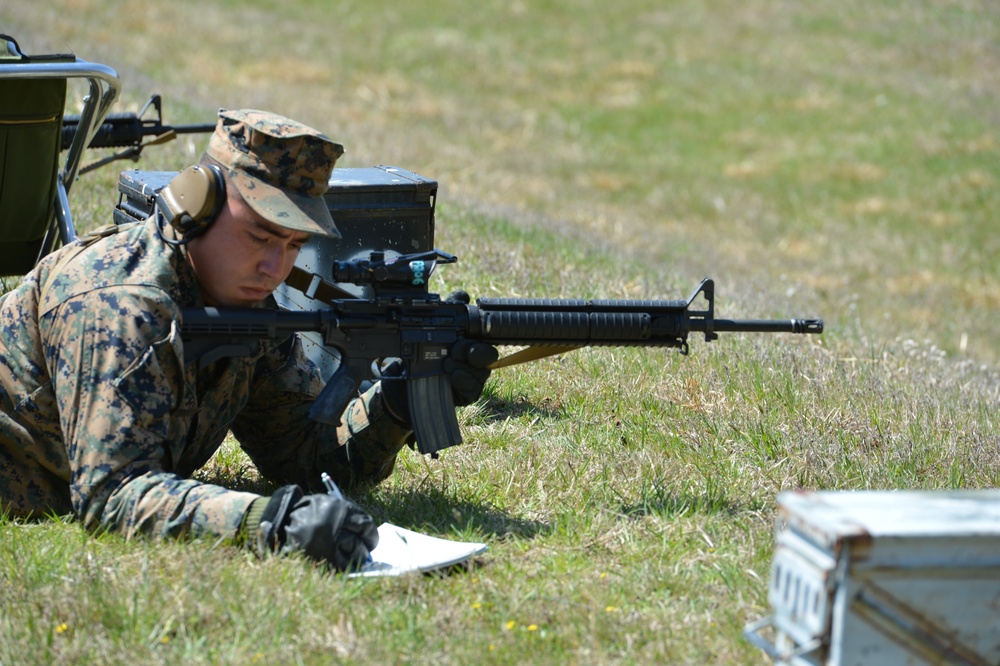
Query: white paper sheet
column 401, row 551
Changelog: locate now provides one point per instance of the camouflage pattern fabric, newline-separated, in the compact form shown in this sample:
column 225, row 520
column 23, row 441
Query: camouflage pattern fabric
column 100, row 416
column 280, row 167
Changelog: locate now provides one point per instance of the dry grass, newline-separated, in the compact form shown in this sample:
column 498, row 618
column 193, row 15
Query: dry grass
column 833, row 160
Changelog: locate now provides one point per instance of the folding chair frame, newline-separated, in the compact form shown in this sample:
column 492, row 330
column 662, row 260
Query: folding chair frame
column 105, row 87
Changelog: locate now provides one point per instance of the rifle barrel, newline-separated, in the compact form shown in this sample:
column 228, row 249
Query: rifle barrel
column 121, row 130
column 801, row 326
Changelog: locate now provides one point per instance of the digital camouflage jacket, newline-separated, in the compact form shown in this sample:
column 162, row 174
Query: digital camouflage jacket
column 101, row 417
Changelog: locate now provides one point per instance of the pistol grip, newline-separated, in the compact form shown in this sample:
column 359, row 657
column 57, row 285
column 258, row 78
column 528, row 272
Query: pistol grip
column 432, row 411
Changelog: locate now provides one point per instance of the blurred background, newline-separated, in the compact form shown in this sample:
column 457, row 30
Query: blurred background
column 838, row 158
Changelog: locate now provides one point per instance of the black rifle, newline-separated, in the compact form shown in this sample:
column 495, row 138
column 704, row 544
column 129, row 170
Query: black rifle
column 402, row 319
column 129, row 130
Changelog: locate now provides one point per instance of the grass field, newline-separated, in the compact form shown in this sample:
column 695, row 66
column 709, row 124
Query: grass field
column 817, row 159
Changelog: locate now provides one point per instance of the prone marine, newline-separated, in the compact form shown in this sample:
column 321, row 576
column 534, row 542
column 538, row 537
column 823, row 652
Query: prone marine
column 105, row 417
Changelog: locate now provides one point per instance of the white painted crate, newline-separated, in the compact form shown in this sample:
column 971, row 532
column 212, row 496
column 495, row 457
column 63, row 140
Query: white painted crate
column 884, row 578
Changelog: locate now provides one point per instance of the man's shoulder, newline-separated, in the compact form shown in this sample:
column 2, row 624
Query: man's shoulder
column 124, row 254
column 130, row 256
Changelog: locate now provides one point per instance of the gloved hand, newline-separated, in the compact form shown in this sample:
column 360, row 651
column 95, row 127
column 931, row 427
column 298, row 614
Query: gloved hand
column 325, row 528
column 468, row 363
column 467, row 368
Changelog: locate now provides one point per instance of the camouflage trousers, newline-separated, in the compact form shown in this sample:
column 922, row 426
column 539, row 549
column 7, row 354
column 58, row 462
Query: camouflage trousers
column 371, row 439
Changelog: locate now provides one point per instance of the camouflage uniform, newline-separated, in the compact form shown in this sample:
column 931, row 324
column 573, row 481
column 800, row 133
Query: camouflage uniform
column 101, row 417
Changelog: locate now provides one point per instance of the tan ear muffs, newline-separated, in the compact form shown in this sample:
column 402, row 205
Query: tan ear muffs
column 192, row 199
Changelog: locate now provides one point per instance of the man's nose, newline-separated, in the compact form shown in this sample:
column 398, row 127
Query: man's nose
column 273, row 261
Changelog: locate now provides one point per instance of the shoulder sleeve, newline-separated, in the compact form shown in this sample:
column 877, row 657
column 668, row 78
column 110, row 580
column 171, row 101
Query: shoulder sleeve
column 117, row 369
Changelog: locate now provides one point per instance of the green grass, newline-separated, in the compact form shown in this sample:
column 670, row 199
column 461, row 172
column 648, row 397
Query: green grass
column 827, row 159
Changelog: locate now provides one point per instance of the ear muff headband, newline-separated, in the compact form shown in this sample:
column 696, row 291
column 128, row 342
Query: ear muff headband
column 192, row 199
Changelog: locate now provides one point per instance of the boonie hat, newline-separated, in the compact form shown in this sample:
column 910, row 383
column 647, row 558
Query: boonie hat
column 280, row 166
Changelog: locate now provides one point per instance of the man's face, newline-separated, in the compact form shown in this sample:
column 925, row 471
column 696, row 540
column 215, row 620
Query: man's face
column 242, row 257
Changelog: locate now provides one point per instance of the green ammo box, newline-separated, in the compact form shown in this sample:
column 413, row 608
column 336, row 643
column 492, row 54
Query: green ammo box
column 381, row 208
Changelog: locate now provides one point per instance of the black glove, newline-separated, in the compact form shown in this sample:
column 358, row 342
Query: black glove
column 325, row 528
column 467, row 368
column 468, row 363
